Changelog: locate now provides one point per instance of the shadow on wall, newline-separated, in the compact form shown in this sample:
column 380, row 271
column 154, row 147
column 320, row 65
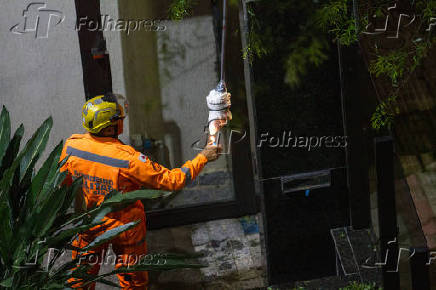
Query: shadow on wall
column 173, row 144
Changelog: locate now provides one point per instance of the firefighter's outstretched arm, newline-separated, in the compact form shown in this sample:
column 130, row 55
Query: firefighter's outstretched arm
column 152, row 175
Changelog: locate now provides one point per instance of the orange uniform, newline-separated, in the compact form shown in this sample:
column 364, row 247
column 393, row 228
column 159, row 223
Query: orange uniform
column 106, row 164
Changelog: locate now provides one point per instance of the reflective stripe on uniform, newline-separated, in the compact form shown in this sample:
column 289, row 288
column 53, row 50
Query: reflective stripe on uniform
column 119, row 163
column 187, row 171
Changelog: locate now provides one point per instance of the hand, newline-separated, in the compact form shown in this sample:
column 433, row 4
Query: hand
column 211, row 152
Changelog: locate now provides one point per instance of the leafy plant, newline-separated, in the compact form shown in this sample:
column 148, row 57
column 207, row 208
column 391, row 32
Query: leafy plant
column 385, row 113
column 345, row 21
column 361, row 286
column 428, row 8
column 421, row 52
column 396, row 64
column 35, row 216
column 335, row 18
column 391, row 65
column 307, row 52
column 255, row 47
column 180, row 9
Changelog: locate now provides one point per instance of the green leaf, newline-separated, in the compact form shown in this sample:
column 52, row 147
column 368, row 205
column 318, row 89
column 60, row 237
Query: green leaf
column 7, row 283
column 5, row 131
column 75, row 189
column 64, row 270
column 61, row 237
column 45, row 174
column 53, row 285
column 20, row 194
column 109, row 235
column 6, row 230
column 91, row 216
column 157, row 265
column 66, row 216
column 12, row 150
column 123, row 199
column 33, row 148
column 107, row 282
column 99, row 279
column 49, row 188
column 47, row 214
column 36, row 145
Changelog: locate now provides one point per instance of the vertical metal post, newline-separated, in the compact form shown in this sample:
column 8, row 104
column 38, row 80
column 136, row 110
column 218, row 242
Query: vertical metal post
column 223, row 40
column 252, row 123
column 419, row 268
column 97, row 78
column 387, row 214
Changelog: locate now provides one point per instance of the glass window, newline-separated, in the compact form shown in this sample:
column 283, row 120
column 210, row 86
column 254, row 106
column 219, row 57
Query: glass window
column 166, row 69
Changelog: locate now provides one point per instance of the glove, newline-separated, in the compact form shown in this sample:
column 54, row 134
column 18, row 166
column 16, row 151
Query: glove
column 219, row 110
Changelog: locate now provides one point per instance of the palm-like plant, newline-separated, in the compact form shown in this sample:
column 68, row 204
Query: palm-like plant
column 35, row 217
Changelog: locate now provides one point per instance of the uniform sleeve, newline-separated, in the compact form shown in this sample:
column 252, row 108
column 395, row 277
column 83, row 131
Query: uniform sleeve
column 150, row 174
column 68, row 179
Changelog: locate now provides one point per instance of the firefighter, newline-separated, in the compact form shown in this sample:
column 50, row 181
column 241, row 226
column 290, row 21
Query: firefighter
column 106, row 164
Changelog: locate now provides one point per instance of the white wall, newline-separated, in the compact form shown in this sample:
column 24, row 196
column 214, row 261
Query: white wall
column 41, row 77
column 187, row 74
column 113, row 42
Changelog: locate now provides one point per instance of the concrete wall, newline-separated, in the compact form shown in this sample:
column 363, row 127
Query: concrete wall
column 41, row 77
column 113, row 42
column 187, row 56
column 230, row 247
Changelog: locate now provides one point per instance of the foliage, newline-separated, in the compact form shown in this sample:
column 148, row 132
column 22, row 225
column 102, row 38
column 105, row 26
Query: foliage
column 180, row 9
column 347, row 25
column 421, row 52
column 35, row 216
column 428, row 8
column 234, row 3
column 396, row 64
column 385, row 113
column 255, row 47
column 333, row 14
column 312, row 55
column 311, row 48
column 361, row 286
column 334, row 17
column 391, row 65
column 352, row 286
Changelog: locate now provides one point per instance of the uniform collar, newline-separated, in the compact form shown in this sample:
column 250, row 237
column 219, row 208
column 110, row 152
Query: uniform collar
column 102, row 139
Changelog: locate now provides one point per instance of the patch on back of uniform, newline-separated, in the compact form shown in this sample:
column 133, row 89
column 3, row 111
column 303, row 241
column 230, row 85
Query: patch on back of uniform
column 142, row 158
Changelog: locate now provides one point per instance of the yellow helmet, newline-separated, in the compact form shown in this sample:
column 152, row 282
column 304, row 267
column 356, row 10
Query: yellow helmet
column 101, row 112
